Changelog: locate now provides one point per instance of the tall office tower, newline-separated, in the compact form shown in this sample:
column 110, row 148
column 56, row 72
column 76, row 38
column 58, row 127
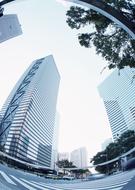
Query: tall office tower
column 79, row 157
column 63, row 156
column 9, row 27
column 55, row 142
column 28, row 116
column 118, row 93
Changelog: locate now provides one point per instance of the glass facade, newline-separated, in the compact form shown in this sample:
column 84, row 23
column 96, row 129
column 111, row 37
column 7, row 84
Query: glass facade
column 117, row 92
column 28, row 115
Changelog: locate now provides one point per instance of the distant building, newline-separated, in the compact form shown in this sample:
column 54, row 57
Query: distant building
column 79, row 157
column 28, row 125
column 9, row 27
column 118, row 94
column 106, row 143
column 63, row 156
column 55, row 142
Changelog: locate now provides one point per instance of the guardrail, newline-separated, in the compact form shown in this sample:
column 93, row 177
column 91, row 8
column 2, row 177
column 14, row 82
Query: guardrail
column 37, row 166
column 104, row 163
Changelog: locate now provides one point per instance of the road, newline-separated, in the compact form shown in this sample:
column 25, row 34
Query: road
column 12, row 179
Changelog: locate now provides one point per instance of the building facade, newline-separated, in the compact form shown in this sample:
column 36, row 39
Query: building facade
column 63, row 156
column 117, row 92
column 79, row 157
column 55, row 142
column 28, row 116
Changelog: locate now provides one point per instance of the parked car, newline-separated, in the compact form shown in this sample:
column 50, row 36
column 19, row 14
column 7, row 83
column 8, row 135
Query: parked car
column 66, row 177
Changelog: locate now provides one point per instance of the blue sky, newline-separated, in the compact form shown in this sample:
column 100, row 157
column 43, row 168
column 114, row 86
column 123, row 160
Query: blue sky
column 83, row 120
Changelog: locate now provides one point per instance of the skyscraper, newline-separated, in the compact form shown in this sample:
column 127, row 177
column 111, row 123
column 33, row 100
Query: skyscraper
column 28, row 116
column 118, row 92
column 55, row 142
column 79, row 157
column 63, row 156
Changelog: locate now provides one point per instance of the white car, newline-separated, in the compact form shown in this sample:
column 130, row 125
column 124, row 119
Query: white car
column 66, row 177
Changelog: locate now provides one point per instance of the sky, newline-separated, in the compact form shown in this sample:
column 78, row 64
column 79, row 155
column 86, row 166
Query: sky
column 83, row 119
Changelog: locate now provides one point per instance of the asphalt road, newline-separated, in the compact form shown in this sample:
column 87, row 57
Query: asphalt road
column 12, row 179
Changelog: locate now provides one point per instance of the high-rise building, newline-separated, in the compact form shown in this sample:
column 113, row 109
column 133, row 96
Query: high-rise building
column 117, row 92
column 27, row 128
column 79, row 157
column 10, row 27
column 55, row 142
column 63, row 156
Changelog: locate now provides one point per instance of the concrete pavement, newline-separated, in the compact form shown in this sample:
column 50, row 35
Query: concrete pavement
column 12, row 179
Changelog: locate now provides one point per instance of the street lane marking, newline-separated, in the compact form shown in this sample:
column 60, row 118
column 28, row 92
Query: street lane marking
column 118, row 187
column 7, row 178
column 31, row 183
column 57, row 188
column 50, row 186
column 85, row 188
column 22, row 183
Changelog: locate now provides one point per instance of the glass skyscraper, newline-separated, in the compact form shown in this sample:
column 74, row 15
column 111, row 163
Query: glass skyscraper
column 118, row 94
column 27, row 118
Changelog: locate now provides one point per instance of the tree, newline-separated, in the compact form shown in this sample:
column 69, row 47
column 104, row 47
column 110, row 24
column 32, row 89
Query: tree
column 126, row 141
column 123, row 144
column 99, row 158
column 113, row 150
column 65, row 164
column 110, row 41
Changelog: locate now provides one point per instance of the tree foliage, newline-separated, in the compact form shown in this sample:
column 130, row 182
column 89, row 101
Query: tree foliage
column 123, row 144
column 110, row 41
column 80, row 171
column 65, row 164
column 126, row 141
